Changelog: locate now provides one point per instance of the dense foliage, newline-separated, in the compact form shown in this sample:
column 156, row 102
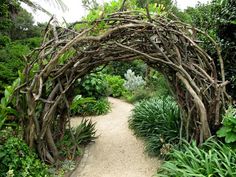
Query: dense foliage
column 17, row 159
column 120, row 68
column 18, row 35
column 211, row 159
column 115, row 85
column 87, row 106
column 158, row 122
column 91, row 93
column 94, row 85
column 156, row 86
column 227, row 131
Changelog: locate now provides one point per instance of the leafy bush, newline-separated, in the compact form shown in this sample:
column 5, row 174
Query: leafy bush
column 79, row 103
column 116, row 85
column 89, row 106
column 83, row 134
column 133, row 82
column 5, row 108
column 94, row 85
column 211, row 159
column 32, row 43
column 4, row 41
column 11, row 61
column 16, row 158
column 138, row 95
column 158, row 84
column 101, row 106
column 228, row 131
column 157, row 121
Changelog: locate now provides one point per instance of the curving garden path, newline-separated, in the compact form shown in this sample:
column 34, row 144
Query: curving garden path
column 116, row 153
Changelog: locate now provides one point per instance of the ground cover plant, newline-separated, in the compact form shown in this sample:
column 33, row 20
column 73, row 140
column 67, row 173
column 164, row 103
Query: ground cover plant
column 212, row 158
column 17, row 159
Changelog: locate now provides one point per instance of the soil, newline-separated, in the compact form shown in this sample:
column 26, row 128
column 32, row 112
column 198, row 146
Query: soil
column 116, row 152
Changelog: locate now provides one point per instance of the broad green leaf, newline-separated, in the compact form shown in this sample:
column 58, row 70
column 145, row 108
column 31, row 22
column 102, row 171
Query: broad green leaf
column 223, row 131
column 233, row 22
column 230, row 137
column 7, row 94
column 3, row 102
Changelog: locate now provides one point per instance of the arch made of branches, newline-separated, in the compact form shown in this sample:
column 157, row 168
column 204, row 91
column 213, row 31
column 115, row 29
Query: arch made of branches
column 168, row 46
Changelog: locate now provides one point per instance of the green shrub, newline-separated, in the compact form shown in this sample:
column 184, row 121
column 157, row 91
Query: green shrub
column 89, row 106
column 11, row 61
column 157, row 121
column 5, row 106
column 94, row 85
column 115, row 85
column 79, row 104
column 85, row 132
column 69, row 146
column 16, row 158
column 158, row 84
column 138, row 95
column 212, row 159
column 32, row 43
column 228, row 131
column 4, row 40
column 101, row 106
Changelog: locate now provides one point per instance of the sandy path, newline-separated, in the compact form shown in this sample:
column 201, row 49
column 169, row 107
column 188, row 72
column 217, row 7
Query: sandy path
column 116, row 153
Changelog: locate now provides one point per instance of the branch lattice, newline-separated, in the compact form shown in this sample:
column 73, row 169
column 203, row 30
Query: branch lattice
column 168, row 46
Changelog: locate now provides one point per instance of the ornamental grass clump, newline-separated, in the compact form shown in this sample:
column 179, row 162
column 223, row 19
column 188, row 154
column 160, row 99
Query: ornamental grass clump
column 158, row 122
column 211, row 159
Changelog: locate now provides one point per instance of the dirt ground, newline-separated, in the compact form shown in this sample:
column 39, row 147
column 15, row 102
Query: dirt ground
column 117, row 152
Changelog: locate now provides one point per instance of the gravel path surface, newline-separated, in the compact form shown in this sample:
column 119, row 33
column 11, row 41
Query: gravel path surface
column 116, row 153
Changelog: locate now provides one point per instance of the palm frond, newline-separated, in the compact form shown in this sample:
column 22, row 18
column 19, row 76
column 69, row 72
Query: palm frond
column 59, row 3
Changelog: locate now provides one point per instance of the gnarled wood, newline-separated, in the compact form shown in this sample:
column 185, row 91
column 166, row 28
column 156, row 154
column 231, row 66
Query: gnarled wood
column 165, row 45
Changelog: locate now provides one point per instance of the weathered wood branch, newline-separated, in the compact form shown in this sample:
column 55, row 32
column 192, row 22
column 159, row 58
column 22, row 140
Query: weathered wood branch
column 165, row 45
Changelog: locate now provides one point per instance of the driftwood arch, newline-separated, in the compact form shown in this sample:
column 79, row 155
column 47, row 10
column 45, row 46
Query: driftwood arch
column 167, row 46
